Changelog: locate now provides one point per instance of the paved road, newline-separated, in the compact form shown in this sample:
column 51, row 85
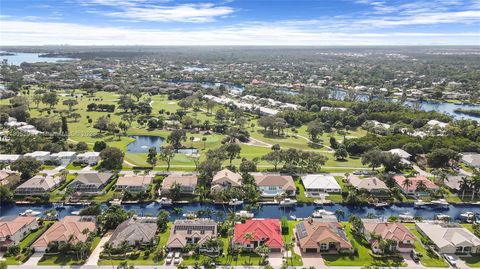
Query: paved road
column 223, row 267
column 33, row 261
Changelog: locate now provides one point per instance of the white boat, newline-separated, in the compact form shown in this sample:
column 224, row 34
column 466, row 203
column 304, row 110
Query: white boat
column 30, row 213
column 419, row 204
column 116, row 202
column 288, row 202
column 75, row 213
column 293, row 217
column 441, row 203
column 235, row 202
column 190, row 215
column 406, row 216
column 244, row 214
column 321, row 213
column 58, row 205
column 381, row 204
column 164, row 201
column 467, row 217
column 442, row 217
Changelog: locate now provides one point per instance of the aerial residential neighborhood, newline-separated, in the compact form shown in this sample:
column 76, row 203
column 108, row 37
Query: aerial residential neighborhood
column 194, row 134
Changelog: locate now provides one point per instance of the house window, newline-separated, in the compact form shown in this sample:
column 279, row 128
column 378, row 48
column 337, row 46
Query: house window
column 323, row 246
column 459, row 249
column 467, row 249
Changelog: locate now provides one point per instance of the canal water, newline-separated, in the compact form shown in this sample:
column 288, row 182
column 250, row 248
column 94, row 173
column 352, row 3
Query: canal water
column 218, row 212
column 20, row 57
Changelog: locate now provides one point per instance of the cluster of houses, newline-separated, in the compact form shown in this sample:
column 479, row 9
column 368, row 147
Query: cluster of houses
column 311, row 235
column 62, row 157
column 252, row 103
column 269, row 184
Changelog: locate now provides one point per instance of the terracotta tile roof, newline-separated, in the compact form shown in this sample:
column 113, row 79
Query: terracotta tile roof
column 183, row 180
column 226, row 175
column 389, row 230
column 310, row 233
column 60, row 231
column 265, row 230
column 286, row 182
column 12, row 226
column 134, row 181
column 414, row 181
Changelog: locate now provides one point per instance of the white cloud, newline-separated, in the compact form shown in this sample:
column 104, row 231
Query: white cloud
column 14, row 32
column 203, row 12
column 159, row 11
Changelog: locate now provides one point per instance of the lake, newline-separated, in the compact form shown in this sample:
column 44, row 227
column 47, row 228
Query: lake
column 143, row 142
column 265, row 211
column 21, row 57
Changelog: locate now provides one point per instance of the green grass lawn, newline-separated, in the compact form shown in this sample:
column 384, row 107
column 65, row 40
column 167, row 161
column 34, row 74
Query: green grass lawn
column 428, row 259
column 83, row 131
column 295, row 260
column 362, row 258
column 27, row 241
column 66, row 259
column 142, row 259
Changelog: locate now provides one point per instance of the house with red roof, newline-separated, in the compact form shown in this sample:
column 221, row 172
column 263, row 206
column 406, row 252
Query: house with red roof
column 409, row 185
column 257, row 232
column 14, row 229
column 69, row 228
column 374, row 230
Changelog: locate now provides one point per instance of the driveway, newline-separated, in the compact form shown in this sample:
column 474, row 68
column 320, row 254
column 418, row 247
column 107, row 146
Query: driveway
column 34, row 259
column 409, row 261
column 95, row 256
column 420, row 171
column 310, row 259
column 275, row 259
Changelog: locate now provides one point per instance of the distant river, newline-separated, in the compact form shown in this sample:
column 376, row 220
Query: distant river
column 20, row 57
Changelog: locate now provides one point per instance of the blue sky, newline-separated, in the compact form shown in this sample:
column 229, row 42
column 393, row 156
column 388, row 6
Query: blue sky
column 240, row 22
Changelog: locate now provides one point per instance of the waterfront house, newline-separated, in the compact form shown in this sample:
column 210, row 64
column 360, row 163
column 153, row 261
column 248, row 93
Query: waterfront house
column 90, row 183
column 322, row 237
column 63, row 157
column 403, row 238
column 225, row 179
column 13, row 229
column 372, row 185
column 187, row 183
column 257, row 232
column 42, row 156
column 136, row 231
column 133, row 183
column 450, row 238
column 9, row 158
column 38, row 185
column 409, row 186
column 63, row 230
column 320, row 183
column 89, row 157
column 271, row 185
column 186, row 231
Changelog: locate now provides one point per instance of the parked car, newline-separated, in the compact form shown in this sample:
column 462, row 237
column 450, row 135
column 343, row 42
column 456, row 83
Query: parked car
column 414, row 255
column 176, row 259
column 169, row 258
column 451, row 260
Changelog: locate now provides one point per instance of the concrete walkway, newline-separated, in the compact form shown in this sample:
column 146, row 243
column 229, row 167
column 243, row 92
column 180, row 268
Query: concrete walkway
column 33, row 261
column 95, row 256
column 420, row 171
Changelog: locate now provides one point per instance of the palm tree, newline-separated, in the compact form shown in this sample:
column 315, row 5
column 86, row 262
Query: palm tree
column 420, row 187
column 464, row 185
column 406, row 183
column 475, row 185
column 263, row 251
column 249, row 236
column 340, row 214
